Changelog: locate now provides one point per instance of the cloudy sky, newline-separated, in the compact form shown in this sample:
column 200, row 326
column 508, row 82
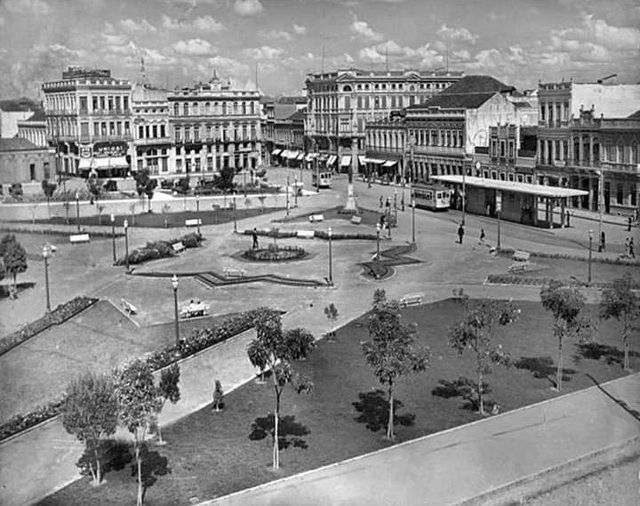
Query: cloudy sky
column 518, row 41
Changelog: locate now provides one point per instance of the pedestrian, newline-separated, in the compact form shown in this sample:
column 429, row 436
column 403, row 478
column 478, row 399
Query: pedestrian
column 460, row 233
column 380, row 201
column 632, row 252
column 629, row 224
column 602, row 241
column 482, row 235
column 218, row 395
column 388, row 204
column 402, row 202
column 626, row 246
column 254, row 234
column 568, row 218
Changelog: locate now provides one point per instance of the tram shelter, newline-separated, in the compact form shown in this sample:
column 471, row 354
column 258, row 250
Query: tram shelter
column 530, row 204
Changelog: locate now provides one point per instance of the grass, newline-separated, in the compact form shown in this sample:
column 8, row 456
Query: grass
column 157, row 219
column 210, row 454
column 368, row 217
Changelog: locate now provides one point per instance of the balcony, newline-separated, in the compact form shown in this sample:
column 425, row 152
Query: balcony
column 86, row 139
column 439, row 150
column 105, row 112
column 148, row 141
column 626, row 168
column 526, row 153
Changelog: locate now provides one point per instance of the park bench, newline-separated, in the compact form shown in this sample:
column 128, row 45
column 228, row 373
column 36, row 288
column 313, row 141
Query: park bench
column 194, row 309
column 177, row 246
column 356, row 220
column 234, row 273
column 458, row 293
column 128, row 308
column 316, row 217
column 520, row 256
column 195, row 222
column 305, row 234
column 79, row 238
column 411, row 299
column 519, row 267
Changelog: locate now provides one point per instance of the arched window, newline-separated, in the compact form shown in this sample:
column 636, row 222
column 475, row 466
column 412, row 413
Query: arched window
column 346, row 88
column 634, row 152
column 185, row 109
column 620, row 153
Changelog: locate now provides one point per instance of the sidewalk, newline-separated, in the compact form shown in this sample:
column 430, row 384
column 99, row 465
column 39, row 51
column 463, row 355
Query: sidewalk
column 458, row 465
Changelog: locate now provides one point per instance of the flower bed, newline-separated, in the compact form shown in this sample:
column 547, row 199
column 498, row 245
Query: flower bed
column 509, row 279
column 55, row 231
column 59, row 315
column 321, row 234
column 198, row 341
column 160, row 249
column 275, row 254
column 566, row 256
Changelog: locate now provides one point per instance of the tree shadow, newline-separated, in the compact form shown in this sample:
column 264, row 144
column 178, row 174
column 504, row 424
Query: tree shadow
column 596, row 351
column 467, row 389
column 5, row 290
column 544, row 368
column 153, row 465
column 374, row 411
column 633, row 412
column 115, row 455
column 290, row 432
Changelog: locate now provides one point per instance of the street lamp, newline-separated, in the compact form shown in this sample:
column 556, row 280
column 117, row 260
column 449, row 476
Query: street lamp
column 295, row 190
column 126, row 243
column 377, row 241
column 46, row 253
column 78, row 210
column 330, row 232
column 174, row 284
column 590, row 249
column 413, row 221
column 113, row 237
column 198, row 212
column 286, row 191
column 244, row 183
column 235, row 221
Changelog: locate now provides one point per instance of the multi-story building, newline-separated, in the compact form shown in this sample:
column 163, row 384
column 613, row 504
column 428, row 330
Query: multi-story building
column 588, row 141
column 386, row 147
column 89, row 121
column 13, row 111
column 34, row 129
column 21, row 161
column 214, row 126
column 277, row 110
column 152, row 145
column 288, row 139
column 340, row 103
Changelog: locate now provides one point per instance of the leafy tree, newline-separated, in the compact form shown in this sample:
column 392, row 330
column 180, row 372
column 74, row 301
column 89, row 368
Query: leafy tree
column 168, row 389
column 225, row 180
column 391, row 352
column 90, row 413
column 475, row 332
column 276, row 349
column 621, row 303
column 331, row 312
column 94, row 187
column 48, row 189
column 262, row 198
column 3, row 271
column 14, row 257
column 145, row 185
column 566, row 304
column 139, row 403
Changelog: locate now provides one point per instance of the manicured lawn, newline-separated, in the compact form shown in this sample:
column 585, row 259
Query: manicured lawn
column 368, row 217
column 157, row 219
column 211, row 454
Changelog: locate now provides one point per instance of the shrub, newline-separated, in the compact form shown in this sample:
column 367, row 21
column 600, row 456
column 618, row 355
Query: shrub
column 160, row 249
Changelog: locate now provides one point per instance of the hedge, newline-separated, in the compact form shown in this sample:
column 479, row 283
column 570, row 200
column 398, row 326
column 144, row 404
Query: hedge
column 198, row 341
column 160, row 249
column 57, row 231
column 59, row 315
column 567, row 256
column 320, row 234
column 509, row 279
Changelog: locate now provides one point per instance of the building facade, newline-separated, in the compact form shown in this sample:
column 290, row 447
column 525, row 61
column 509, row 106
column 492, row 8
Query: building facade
column 21, row 161
column 14, row 111
column 152, row 146
column 276, row 112
column 34, row 129
column 340, row 103
column 288, row 139
column 89, row 122
column 214, row 126
column 587, row 141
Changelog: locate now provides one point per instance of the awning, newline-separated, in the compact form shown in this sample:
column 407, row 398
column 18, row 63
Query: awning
column 117, row 162
column 276, row 152
column 284, row 153
column 300, row 156
column 331, row 160
column 373, row 160
column 389, row 163
column 346, row 161
column 361, row 159
column 309, row 157
column 293, row 155
column 85, row 163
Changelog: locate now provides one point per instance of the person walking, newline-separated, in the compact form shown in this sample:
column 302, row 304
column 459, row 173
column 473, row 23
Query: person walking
column 482, row 235
column 254, row 234
column 381, row 200
column 632, row 252
column 626, row 246
column 460, row 233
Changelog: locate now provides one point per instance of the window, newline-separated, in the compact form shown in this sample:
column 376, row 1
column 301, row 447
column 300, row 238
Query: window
column 178, row 134
column 47, row 171
column 146, row 132
column 94, row 102
column 197, row 169
column 83, row 103
column 140, row 132
column 178, row 165
column 502, row 149
column 185, row 109
column 125, row 103
column 118, row 103
column 96, row 128
column 176, row 109
column 619, row 193
column 162, row 131
column 102, row 103
column 155, row 131
column 196, row 134
column 32, row 171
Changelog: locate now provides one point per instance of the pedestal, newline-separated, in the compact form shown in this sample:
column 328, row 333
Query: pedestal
column 351, row 205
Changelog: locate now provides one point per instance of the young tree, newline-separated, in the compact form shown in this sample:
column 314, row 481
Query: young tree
column 48, row 189
column 90, row 413
column 566, row 304
column 168, row 390
column 276, row 349
column 145, row 184
column 94, row 187
column 391, row 352
column 138, row 402
column 621, row 303
column 14, row 257
column 331, row 312
column 475, row 332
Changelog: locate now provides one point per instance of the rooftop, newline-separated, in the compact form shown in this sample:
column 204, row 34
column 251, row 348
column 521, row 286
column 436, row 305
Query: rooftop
column 21, row 104
column 299, row 115
column 38, row 115
column 511, row 186
column 477, row 84
column 17, row 144
column 457, row 101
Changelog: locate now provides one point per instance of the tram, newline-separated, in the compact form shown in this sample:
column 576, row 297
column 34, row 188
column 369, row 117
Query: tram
column 434, row 197
column 321, row 179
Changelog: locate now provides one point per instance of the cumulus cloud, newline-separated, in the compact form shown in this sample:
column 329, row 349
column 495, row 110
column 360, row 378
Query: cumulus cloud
column 299, row 30
column 133, row 26
column 456, row 34
column 361, row 29
column 263, row 53
column 201, row 23
column 600, row 32
column 422, row 55
column 231, row 66
column 37, row 7
column 247, row 7
column 276, row 34
column 193, row 47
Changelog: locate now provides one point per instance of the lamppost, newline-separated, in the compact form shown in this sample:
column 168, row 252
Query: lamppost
column 286, row 191
column 46, row 253
column 244, row 183
column 295, row 190
column 235, row 221
column 126, row 243
column 198, row 212
column 464, row 193
column 377, row 241
column 113, row 236
column 413, row 221
column 395, row 205
column 78, row 210
column 174, row 284
column 590, row 249
column 330, row 232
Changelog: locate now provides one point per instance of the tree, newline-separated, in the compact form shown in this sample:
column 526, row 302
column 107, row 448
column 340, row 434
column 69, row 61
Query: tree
column 94, row 187
column 566, row 304
column 391, row 352
column 276, row 349
column 331, row 312
column 168, row 390
column 145, row 184
column 621, row 303
column 475, row 332
column 225, row 180
column 90, row 413
column 14, row 257
column 139, row 403
column 48, row 189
